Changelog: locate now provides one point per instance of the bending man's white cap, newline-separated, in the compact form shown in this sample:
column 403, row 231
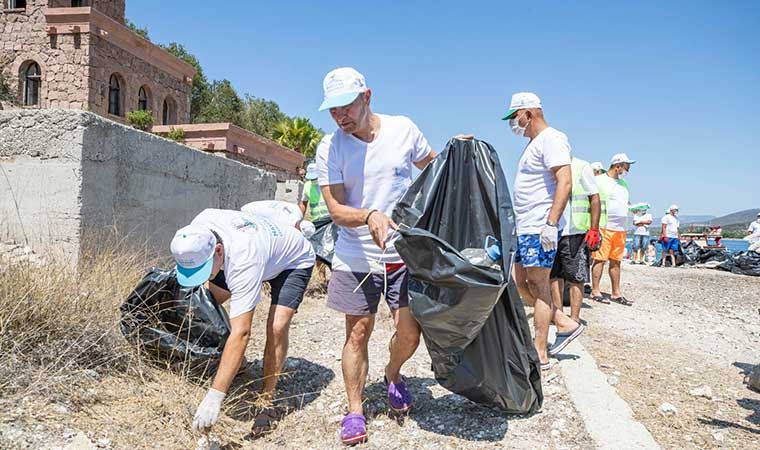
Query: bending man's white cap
column 598, row 166
column 341, row 87
column 311, row 171
column 522, row 100
column 193, row 249
column 621, row 158
column 673, row 207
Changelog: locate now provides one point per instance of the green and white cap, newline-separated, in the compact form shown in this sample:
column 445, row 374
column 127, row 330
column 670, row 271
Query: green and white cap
column 522, row 100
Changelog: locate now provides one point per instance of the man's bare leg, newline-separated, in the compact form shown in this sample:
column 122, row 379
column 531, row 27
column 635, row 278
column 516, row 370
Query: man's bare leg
column 403, row 343
column 558, row 286
column 521, row 282
column 615, row 278
column 576, row 300
column 597, row 269
column 355, row 359
column 544, row 311
column 276, row 348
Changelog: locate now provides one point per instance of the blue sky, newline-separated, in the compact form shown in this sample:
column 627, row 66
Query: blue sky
column 676, row 85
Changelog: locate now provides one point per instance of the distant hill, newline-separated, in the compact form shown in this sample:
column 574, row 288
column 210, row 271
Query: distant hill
column 685, row 219
column 741, row 217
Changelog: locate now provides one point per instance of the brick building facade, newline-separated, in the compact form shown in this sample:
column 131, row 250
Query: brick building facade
column 78, row 54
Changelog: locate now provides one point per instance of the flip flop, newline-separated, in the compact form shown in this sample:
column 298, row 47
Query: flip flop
column 353, row 429
column 601, row 299
column 547, row 365
column 622, row 300
column 563, row 339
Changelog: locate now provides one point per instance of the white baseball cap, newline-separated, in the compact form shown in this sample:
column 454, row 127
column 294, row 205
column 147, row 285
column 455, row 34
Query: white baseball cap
column 621, row 158
column 193, row 250
column 522, row 100
column 598, row 166
column 341, row 87
column 311, row 171
column 673, row 207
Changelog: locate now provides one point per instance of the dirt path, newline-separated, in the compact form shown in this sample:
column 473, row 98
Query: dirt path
column 690, row 329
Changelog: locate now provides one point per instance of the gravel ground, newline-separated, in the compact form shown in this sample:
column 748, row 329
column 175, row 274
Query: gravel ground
column 689, row 341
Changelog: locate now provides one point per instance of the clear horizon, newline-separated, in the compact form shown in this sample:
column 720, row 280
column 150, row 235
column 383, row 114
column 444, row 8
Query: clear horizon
column 676, row 85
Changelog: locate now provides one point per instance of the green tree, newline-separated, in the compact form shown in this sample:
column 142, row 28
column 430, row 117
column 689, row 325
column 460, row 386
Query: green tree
column 142, row 32
column 200, row 95
column 299, row 134
column 262, row 116
column 5, row 91
column 224, row 105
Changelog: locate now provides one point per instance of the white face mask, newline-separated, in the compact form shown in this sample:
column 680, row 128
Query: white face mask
column 514, row 123
column 623, row 174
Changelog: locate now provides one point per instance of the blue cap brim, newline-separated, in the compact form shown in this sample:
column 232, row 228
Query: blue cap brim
column 338, row 100
column 196, row 276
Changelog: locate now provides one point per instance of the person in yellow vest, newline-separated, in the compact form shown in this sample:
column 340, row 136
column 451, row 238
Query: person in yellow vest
column 313, row 206
column 613, row 188
column 580, row 236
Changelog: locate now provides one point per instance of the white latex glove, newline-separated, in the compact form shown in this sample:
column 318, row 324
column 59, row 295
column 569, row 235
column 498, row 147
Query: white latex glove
column 307, row 228
column 549, row 237
column 208, row 411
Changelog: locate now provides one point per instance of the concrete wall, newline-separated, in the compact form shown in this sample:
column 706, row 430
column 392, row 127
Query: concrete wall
column 289, row 191
column 70, row 178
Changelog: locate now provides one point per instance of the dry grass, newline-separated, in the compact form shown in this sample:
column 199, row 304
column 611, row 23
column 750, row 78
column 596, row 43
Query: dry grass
column 65, row 362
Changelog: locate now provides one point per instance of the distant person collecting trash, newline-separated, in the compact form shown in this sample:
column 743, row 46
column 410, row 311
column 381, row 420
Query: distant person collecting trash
column 312, row 205
column 641, row 220
column 580, row 236
column 669, row 235
column 364, row 168
column 542, row 187
column 612, row 186
column 753, row 230
column 235, row 253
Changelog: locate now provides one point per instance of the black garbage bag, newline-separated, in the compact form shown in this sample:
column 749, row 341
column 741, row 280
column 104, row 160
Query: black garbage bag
column 691, row 251
column 709, row 255
column 742, row 263
column 472, row 319
column 174, row 323
column 323, row 240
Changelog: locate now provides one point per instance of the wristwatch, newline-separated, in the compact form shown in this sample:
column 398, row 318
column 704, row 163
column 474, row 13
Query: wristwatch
column 550, row 223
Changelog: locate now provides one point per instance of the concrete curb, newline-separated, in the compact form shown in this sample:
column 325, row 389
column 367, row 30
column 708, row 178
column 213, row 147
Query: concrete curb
column 608, row 418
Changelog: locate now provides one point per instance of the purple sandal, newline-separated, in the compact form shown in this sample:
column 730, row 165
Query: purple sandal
column 398, row 396
column 353, row 429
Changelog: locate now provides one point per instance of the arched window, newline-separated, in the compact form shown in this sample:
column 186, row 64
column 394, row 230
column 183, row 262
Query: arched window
column 169, row 112
column 32, row 80
column 114, row 95
column 142, row 99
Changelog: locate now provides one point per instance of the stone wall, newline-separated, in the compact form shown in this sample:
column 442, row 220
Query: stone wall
column 107, row 59
column 71, row 178
column 63, row 60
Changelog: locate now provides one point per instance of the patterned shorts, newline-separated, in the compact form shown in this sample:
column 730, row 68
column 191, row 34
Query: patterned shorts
column 530, row 253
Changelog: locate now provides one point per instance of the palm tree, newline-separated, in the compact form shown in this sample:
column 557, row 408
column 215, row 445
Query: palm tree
column 299, row 134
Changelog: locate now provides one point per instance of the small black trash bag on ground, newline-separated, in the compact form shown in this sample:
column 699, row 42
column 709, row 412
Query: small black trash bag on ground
column 472, row 319
column 323, row 240
column 742, row 263
column 174, row 323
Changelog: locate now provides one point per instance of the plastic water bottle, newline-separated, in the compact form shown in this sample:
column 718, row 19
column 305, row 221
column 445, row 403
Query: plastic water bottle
column 488, row 256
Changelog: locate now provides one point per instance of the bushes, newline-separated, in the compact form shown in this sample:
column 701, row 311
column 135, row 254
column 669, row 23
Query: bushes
column 176, row 134
column 140, row 119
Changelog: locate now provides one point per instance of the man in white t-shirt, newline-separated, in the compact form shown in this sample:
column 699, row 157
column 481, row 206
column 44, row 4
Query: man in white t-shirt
column 235, row 253
column 613, row 188
column 579, row 237
column 364, row 168
column 753, row 230
column 669, row 235
column 641, row 220
column 542, row 187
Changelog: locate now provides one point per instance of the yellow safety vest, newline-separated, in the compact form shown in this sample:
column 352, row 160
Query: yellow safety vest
column 580, row 206
column 317, row 208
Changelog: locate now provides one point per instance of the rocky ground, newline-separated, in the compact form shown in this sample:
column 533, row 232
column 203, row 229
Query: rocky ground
column 680, row 355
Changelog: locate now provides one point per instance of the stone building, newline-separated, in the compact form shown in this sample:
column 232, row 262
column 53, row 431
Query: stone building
column 78, row 54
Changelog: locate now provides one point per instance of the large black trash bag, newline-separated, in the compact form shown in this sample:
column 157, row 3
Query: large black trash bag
column 742, row 263
column 323, row 240
column 174, row 323
column 472, row 319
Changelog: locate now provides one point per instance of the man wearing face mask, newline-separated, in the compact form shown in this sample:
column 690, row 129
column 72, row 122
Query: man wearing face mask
column 613, row 186
column 753, row 230
column 542, row 188
column 364, row 168
column 670, row 237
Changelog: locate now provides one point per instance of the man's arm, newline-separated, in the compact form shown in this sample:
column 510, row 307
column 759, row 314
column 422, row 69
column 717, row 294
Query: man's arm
column 220, row 295
column 564, row 186
column 234, row 350
column 421, row 164
column 302, row 206
column 346, row 216
column 596, row 210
